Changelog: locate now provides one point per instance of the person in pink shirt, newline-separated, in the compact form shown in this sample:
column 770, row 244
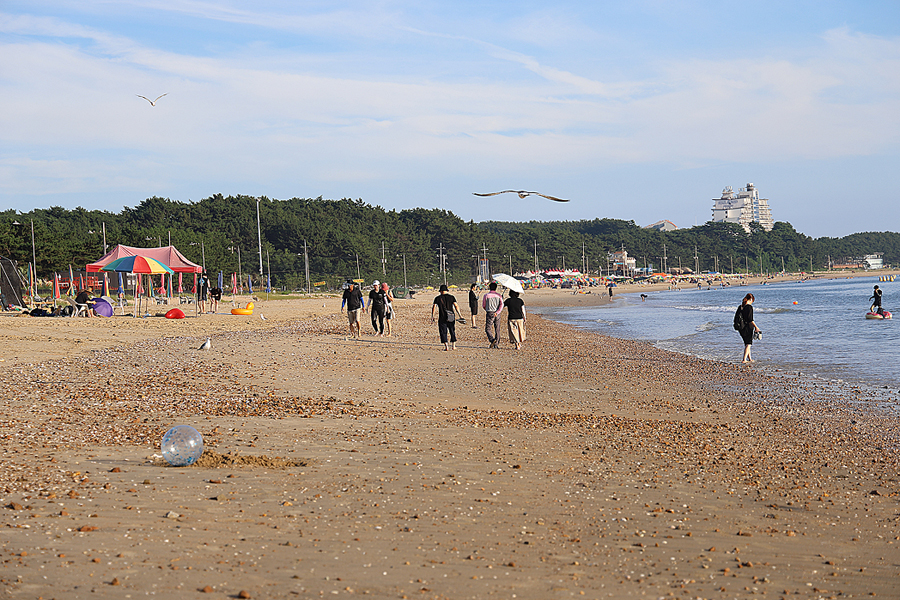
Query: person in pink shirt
column 492, row 303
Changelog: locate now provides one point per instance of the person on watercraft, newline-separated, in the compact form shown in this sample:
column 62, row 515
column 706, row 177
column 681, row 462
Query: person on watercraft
column 876, row 302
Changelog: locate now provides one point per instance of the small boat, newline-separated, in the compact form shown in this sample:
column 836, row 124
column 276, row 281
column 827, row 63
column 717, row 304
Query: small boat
column 875, row 315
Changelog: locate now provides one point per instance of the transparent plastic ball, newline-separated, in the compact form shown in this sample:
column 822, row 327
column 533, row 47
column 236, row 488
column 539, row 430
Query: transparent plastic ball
column 182, row 446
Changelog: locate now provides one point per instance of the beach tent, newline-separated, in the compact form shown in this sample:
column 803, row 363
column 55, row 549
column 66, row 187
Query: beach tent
column 167, row 255
column 10, row 282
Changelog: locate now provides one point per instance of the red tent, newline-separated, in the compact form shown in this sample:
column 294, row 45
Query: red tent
column 167, row 255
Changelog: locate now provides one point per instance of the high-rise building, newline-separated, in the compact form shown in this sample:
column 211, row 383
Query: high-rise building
column 743, row 208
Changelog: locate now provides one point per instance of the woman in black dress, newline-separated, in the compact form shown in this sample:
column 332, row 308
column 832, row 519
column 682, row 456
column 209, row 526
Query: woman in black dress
column 473, row 303
column 746, row 310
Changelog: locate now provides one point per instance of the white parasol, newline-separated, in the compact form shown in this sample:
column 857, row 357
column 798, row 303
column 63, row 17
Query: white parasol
column 508, row 281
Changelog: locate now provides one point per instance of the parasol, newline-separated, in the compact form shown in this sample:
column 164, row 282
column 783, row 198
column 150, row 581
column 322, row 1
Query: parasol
column 508, row 281
column 137, row 264
column 102, row 307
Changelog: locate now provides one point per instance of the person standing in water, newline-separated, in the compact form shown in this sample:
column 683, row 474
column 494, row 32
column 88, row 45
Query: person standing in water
column 744, row 318
column 876, row 302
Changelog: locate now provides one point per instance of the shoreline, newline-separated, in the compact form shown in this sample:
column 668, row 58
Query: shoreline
column 582, row 463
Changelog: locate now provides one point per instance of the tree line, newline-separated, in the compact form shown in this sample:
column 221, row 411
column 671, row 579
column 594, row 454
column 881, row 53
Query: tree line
column 350, row 239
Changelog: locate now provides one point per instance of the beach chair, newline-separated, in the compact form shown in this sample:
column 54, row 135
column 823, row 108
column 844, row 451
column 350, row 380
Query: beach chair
column 79, row 309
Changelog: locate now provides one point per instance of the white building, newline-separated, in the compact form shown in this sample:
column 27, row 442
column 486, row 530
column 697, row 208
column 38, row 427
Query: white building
column 874, row 261
column 743, row 208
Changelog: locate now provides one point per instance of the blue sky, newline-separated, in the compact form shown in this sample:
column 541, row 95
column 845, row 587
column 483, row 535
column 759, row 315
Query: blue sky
column 640, row 110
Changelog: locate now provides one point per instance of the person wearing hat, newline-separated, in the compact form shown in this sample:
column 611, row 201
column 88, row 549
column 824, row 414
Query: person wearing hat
column 377, row 305
column 876, row 304
column 446, row 310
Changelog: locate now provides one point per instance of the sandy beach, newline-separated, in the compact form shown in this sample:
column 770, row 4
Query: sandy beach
column 579, row 466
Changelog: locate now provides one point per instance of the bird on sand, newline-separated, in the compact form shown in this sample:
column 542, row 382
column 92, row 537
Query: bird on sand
column 205, row 345
column 152, row 102
column 523, row 194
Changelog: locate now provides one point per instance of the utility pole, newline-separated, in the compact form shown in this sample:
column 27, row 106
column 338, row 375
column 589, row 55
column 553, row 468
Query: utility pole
column 442, row 261
column 487, row 269
column 583, row 258
column 259, row 234
column 269, row 270
column 240, row 273
column 404, row 272
column 104, row 238
column 535, row 258
column 383, row 261
column 305, row 264
column 665, row 259
column 696, row 261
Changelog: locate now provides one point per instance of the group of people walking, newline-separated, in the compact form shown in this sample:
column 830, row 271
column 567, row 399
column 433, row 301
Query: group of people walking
column 381, row 308
column 445, row 311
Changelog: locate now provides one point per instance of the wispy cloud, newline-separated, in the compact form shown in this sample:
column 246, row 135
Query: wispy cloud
column 467, row 106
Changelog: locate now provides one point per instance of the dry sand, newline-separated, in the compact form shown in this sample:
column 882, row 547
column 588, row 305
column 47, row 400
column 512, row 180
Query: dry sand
column 580, row 466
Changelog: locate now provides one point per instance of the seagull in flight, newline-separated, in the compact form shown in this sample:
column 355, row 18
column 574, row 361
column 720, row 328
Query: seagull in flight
column 522, row 194
column 152, row 102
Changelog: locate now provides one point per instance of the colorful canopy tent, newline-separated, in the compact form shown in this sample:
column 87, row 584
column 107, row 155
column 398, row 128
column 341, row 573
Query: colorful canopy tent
column 167, row 255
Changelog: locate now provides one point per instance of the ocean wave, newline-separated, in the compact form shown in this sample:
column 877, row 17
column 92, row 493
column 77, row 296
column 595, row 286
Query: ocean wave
column 708, row 326
column 705, row 308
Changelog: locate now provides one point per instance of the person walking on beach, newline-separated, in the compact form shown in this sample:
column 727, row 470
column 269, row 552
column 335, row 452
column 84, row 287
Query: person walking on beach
column 354, row 302
column 876, row 302
column 473, row 303
column 492, row 303
column 377, row 302
column 202, row 293
column 447, row 310
column 215, row 296
column 515, row 318
column 744, row 324
column 388, row 308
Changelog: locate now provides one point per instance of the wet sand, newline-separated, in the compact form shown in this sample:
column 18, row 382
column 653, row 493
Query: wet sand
column 579, row 466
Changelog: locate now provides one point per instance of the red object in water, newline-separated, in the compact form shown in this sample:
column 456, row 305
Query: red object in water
column 175, row 313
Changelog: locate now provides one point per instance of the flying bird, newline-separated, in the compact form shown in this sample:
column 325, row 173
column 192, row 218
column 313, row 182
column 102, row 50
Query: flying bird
column 152, row 102
column 205, row 345
column 523, row 194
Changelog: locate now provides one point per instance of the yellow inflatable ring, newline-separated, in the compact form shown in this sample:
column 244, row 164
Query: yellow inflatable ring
column 248, row 310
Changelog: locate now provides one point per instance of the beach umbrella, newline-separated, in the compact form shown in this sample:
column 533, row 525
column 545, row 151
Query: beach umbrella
column 508, row 281
column 162, row 284
column 194, row 289
column 221, row 280
column 71, row 281
column 234, row 283
column 56, row 286
column 180, row 283
column 104, row 286
column 269, row 284
column 102, row 307
column 249, row 284
column 137, row 264
column 81, row 281
column 121, row 289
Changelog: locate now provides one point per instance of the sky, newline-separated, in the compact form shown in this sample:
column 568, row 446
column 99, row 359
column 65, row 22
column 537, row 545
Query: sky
column 639, row 110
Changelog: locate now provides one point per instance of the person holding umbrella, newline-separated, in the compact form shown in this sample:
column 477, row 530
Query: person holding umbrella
column 515, row 318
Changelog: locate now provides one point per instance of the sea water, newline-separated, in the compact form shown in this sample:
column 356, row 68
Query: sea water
column 816, row 327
